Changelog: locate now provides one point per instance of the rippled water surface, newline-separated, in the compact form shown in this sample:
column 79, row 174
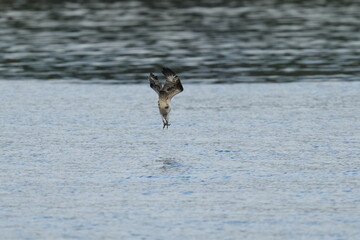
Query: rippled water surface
column 240, row 161
column 208, row 41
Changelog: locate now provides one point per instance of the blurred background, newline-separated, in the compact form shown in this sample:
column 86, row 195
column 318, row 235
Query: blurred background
column 205, row 41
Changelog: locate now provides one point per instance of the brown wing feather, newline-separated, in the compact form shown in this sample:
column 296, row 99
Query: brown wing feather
column 172, row 85
column 154, row 83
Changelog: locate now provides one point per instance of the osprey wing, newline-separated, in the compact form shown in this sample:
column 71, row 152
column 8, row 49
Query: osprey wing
column 172, row 85
column 154, row 83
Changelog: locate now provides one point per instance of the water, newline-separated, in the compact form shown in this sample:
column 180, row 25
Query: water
column 241, row 161
column 207, row 41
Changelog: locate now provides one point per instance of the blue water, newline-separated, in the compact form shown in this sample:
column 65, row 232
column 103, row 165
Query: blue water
column 207, row 41
column 239, row 161
column 246, row 161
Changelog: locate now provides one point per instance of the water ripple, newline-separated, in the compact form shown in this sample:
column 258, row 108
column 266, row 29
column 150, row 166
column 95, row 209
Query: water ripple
column 121, row 42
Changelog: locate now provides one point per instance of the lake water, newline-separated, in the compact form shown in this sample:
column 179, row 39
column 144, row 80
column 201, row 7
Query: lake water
column 278, row 159
column 208, row 41
column 242, row 161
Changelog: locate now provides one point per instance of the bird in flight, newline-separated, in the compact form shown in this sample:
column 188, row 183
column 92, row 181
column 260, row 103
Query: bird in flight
column 166, row 92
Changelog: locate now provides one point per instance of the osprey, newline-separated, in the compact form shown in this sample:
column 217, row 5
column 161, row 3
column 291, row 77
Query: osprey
column 166, row 92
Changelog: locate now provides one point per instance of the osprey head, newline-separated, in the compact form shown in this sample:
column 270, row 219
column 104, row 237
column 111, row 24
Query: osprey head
column 164, row 108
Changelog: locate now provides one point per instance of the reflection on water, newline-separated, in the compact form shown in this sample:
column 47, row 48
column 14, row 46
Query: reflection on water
column 207, row 41
column 168, row 163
